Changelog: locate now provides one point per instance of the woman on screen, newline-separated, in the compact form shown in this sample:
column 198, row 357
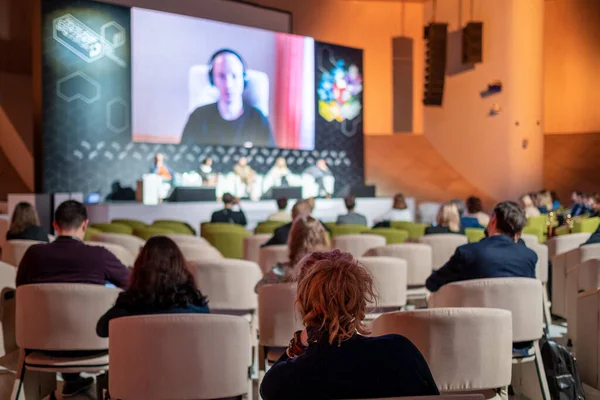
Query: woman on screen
column 228, row 121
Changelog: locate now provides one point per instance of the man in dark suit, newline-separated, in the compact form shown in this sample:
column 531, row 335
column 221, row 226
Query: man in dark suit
column 352, row 218
column 497, row 256
column 595, row 238
column 227, row 215
column 280, row 236
column 69, row 260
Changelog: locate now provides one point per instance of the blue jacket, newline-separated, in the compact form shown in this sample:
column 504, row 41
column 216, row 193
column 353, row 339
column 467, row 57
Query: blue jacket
column 493, row 257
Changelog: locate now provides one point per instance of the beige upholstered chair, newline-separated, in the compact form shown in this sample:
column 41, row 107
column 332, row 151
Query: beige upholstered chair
column 198, row 253
column 8, row 276
column 530, row 240
column 271, row 255
column 14, row 250
column 580, row 278
column 357, row 245
column 131, row 243
column 252, row 246
column 521, row 296
column 541, row 273
column 187, row 239
column 588, row 337
column 560, row 265
column 467, row 349
column 278, row 319
column 389, row 277
column 124, row 255
column 563, row 243
column 443, row 246
column 59, row 317
column 178, row 356
column 419, row 260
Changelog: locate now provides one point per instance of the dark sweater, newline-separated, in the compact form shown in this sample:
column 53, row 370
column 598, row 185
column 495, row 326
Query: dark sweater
column 436, row 230
column 361, row 367
column 32, row 232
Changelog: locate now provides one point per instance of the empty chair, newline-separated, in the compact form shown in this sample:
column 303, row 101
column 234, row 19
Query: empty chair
column 59, row 317
column 204, row 252
column 147, row 233
column 132, row 243
column 415, row 230
column 467, row 349
column 271, row 255
column 179, row 227
column 443, row 246
column 357, row 245
column 229, row 243
column 563, row 243
column 179, row 356
column 113, row 228
column 588, row 337
column 252, row 246
column 389, row 279
column 541, row 273
column 134, row 223
column 187, row 239
column 580, row 278
column 349, row 229
column 124, row 255
column 14, row 250
column 391, row 235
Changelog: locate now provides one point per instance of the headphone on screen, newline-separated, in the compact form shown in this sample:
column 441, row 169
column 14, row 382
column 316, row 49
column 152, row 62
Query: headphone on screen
column 211, row 63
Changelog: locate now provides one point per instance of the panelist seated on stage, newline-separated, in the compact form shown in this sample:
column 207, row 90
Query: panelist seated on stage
column 227, row 214
column 352, row 218
column 161, row 169
column 246, row 174
column 280, row 173
column 319, row 171
column 209, row 178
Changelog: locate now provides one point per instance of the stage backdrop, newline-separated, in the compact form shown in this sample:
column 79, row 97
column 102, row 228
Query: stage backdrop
column 86, row 117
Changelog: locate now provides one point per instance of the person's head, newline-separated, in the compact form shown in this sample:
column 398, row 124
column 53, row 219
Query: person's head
column 307, row 235
column 70, row 219
column 228, row 200
column 577, row 196
column 23, row 217
column 350, row 202
column 280, row 162
column 448, row 216
column 333, row 293
column 160, row 279
column 159, row 159
column 545, row 200
column 243, row 161
column 474, row 205
column 399, row 202
column 282, row 203
column 207, row 161
column 228, row 74
column 302, row 207
column 594, row 202
column 508, row 219
column 526, row 201
column 554, row 196
column 322, row 164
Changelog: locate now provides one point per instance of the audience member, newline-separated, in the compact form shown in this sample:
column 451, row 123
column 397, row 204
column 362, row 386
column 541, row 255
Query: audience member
column 306, row 236
column 352, row 217
column 160, row 284
column 594, row 205
column 25, row 224
column 530, row 209
column 555, row 200
column 398, row 212
column 475, row 210
column 578, row 208
column 282, row 215
column 281, row 234
column 594, row 238
column 227, row 215
column 498, row 255
column 332, row 357
column 544, row 202
column 447, row 220
column 69, row 260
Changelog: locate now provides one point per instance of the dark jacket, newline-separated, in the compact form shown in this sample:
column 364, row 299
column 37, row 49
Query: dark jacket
column 32, row 232
column 361, row 367
column 229, row 216
column 493, row 257
column 595, row 238
column 434, row 230
column 69, row 260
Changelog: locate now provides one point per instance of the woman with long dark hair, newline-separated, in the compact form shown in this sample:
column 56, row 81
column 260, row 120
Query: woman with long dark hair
column 25, row 224
column 160, row 284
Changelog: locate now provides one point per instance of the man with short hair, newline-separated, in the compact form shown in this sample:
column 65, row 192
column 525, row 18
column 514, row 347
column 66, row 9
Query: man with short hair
column 497, row 256
column 227, row 215
column 352, row 218
column 280, row 236
column 282, row 215
column 69, row 260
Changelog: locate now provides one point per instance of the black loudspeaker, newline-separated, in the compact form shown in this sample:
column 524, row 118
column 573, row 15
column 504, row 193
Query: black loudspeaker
column 472, row 43
column 436, row 38
column 192, row 194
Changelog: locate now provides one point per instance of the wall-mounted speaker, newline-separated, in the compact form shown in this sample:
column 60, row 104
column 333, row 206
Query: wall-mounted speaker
column 472, row 43
column 436, row 38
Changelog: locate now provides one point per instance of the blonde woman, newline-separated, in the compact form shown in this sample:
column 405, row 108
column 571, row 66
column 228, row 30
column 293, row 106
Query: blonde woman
column 527, row 204
column 306, row 236
column 447, row 220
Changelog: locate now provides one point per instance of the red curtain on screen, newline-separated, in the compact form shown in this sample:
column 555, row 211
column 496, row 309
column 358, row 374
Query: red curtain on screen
column 289, row 86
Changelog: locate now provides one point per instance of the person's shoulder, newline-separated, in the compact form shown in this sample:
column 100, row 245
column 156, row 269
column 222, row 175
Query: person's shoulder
column 207, row 109
column 283, row 228
column 254, row 112
column 388, row 343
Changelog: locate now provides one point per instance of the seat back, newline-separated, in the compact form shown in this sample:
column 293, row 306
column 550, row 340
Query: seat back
column 443, row 246
column 418, row 258
column 278, row 316
column 271, row 255
column 113, row 228
column 357, row 244
column 252, row 246
column 132, row 243
column 349, row 229
column 466, row 348
column 203, row 252
column 530, row 239
column 391, row 235
column 187, row 239
column 228, row 284
column 521, row 296
column 389, row 277
column 134, row 223
column 14, row 250
column 178, row 356
column 8, row 276
column 147, row 233
column 474, row 234
column 541, row 268
column 580, row 278
column 124, row 255
column 229, row 243
column 267, row 227
column 62, row 316
column 588, row 337
column 563, row 243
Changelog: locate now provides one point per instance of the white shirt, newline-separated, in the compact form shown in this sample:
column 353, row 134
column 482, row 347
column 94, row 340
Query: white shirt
column 396, row 215
column 280, row 216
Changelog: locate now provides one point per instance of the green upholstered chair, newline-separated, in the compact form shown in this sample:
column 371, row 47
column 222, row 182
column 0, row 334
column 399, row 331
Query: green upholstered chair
column 475, row 234
column 229, row 243
column 330, row 225
column 89, row 232
column 175, row 227
column 134, row 223
column 337, row 230
column 147, row 233
column 267, row 227
column 114, row 228
column 537, row 231
column 588, row 225
column 538, row 222
column 561, row 230
column 391, row 235
column 206, row 227
column 415, row 230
